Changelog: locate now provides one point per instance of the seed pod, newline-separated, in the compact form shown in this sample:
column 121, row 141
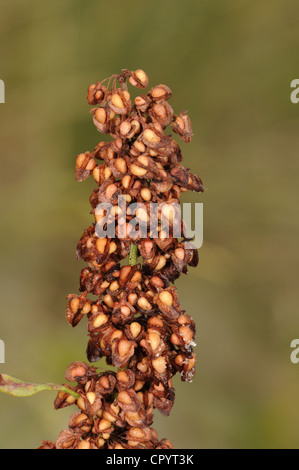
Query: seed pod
column 139, row 79
column 142, row 103
column 161, row 113
column 80, row 422
column 96, row 93
column 125, row 379
column 164, row 444
column 85, row 164
column 79, row 372
column 181, row 125
column 121, row 351
column 67, row 439
column 159, row 365
column 160, row 93
column 101, row 118
column 63, row 399
column 77, row 307
column 120, row 102
column 128, row 400
column 182, row 177
column 105, row 384
column 134, row 331
column 153, row 345
column 103, row 428
column 185, row 364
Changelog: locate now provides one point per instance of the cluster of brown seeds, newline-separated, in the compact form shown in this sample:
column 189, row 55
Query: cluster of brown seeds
column 136, row 321
column 114, row 411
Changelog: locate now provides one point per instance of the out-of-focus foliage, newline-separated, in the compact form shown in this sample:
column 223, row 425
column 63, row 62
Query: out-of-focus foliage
column 230, row 64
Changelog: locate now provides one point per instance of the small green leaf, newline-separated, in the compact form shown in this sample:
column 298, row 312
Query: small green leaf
column 18, row 388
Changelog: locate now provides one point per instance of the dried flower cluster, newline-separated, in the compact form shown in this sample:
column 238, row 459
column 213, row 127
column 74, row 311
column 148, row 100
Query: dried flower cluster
column 136, row 321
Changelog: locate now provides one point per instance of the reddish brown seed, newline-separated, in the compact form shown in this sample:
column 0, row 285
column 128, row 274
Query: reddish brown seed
column 136, row 433
column 136, row 277
column 144, row 303
column 124, row 397
column 104, row 382
column 151, row 136
column 101, row 244
column 108, row 300
column 126, row 181
column 186, row 334
column 84, row 444
column 100, row 115
column 120, row 165
column 154, row 340
column 104, row 424
column 135, row 329
column 122, row 376
column 100, row 320
column 110, row 190
column 74, row 304
column 91, row 397
column 125, row 310
column 124, row 347
column 166, row 298
column 159, row 365
column 146, row 194
column 179, row 253
column 117, row 101
column 161, row 263
column 137, row 170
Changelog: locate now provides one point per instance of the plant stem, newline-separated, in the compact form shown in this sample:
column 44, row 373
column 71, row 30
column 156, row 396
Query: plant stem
column 133, row 254
column 18, row 388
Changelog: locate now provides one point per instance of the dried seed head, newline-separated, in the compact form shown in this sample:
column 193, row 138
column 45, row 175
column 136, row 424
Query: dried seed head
column 136, row 322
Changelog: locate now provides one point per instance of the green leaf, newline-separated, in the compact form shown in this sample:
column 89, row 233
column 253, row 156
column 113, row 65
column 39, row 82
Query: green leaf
column 18, row 388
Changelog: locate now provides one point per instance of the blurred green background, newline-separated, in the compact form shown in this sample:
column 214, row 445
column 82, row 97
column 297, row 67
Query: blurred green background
column 230, row 63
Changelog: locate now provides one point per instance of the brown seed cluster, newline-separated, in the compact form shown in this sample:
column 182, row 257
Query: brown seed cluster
column 134, row 319
column 114, row 411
